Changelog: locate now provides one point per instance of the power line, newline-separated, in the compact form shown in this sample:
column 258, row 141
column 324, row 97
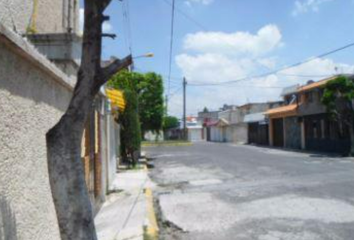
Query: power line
column 174, row 93
column 305, row 76
column 188, row 17
column 176, row 80
column 127, row 26
column 245, row 86
column 171, row 45
column 278, row 70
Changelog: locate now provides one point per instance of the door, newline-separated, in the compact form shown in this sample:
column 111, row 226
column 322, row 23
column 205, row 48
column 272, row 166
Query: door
column 278, row 132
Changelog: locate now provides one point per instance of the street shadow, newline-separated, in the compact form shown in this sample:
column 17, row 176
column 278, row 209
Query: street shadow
column 311, row 154
column 8, row 226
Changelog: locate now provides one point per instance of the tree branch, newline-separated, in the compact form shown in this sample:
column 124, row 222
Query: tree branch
column 109, row 35
column 118, row 64
column 105, row 4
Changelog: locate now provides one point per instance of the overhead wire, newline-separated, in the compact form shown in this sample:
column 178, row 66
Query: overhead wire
column 171, row 45
column 175, row 92
column 191, row 19
column 277, row 70
column 127, row 26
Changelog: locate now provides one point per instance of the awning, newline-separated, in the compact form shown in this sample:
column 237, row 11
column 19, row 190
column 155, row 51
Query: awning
column 219, row 123
column 117, row 98
column 284, row 111
column 254, row 117
column 211, row 123
column 222, row 123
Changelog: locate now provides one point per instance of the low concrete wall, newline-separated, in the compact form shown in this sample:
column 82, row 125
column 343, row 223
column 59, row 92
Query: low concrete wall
column 33, row 96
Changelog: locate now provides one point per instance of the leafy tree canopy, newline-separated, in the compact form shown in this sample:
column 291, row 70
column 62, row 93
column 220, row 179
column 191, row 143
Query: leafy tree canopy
column 338, row 95
column 151, row 103
column 129, row 119
column 170, row 122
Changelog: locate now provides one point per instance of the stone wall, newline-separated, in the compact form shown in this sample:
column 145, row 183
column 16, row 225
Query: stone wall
column 33, row 96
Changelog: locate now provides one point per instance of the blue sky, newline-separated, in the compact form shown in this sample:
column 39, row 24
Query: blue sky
column 239, row 38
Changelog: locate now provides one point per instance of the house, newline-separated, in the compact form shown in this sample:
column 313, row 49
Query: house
column 284, row 127
column 258, row 125
column 195, row 131
column 34, row 93
column 100, row 145
column 230, row 126
column 319, row 131
column 258, row 129
column 205, row 118
column 303, row 122
column 36, row 85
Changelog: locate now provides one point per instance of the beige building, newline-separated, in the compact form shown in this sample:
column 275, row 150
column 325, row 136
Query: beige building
column 34, row 93
column 40, row 16
column 36, row 84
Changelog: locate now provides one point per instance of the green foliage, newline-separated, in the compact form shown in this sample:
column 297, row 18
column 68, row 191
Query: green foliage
column 151, row 104
column 337, row 96
column 144, row 106
column 205, row 110
column 170, row 122
column 129, row 119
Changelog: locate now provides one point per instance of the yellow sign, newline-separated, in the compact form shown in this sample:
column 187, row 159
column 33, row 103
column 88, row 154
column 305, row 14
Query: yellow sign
column 117, row 98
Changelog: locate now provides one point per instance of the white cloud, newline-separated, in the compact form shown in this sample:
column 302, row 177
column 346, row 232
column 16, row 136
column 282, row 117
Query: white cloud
column 106, row 27
column 308, row 6
column 253, row 90
column 238, row 43
column 211, row 67
column 204, row 2
column 212, row 62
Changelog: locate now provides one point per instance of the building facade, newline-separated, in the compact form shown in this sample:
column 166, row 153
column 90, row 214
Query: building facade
column 303, row 122
column 36, row 85
column 231, row 127
column 40, row 16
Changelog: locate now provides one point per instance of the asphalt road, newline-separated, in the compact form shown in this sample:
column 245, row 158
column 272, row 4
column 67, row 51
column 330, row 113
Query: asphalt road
column 224, row 191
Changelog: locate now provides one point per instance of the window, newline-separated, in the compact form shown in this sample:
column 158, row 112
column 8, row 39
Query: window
column 323, row 127
column 309, row 97
column 314, row 129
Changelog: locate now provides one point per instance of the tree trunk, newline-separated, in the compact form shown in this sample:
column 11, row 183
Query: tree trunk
column 66, row 173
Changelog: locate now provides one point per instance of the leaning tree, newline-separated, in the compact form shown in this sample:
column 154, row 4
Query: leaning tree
column 66, row 172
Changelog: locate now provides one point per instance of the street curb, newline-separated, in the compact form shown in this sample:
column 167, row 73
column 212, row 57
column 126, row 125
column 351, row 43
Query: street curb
column 151, row 229
column 165, row 144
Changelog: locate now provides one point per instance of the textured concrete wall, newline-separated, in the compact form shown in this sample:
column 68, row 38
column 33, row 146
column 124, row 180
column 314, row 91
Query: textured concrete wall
column 239, row 133
column 32, row 101
column 52, row 15
column 235, row 116
column 292, row 133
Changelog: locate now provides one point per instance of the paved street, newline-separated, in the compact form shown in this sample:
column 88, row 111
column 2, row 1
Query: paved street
column 224, row 191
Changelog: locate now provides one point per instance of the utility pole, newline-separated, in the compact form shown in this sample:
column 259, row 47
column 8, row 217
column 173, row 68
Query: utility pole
column 185, row 134
column 166, row 104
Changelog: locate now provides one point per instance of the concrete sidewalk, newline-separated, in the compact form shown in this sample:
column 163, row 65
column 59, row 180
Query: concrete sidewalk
column 125, row 214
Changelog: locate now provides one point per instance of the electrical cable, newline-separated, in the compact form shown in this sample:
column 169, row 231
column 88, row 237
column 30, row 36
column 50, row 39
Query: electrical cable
column 171, row 45
column 278, row 70
column 188, row 16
